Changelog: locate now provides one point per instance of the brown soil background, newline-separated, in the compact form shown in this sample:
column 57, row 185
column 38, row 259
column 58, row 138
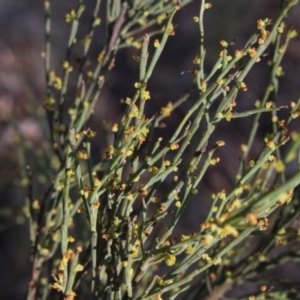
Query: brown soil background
column 22, row 80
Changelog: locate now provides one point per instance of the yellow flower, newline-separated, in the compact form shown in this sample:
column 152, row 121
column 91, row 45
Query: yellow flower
column 222, row 195
column 190, row 250
column 214, row 161
column 97, row 22
column 217, row 260
column 178, row 204
column 279, row 166
column 260, row 24
column 174, row 146
column 227, row 230
column 252, row 52
column 71, row 16
column 220, row 81
column 158, row 297
column 161, row 18
column 203, row 85
column 156, row 43
column 71, row 296
column 49, row 103
column 238, row 53
column 220, row 143
column 170, row 260
column 242, row 86
column 146, row 95
column 224, row 43
column 166, row 110
column 57, row 286
column 207, row 240
column 170, row 30
column 58, row 83
column 279, row 29
column 115, row 128
column 206, row 257
column 71, row 239
column 82, row 155
column 271, row 145
column 293, row 33
column 79, row 268
column 137, row 85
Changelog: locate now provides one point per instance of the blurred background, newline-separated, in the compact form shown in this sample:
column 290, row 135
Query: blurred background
column 22, row 86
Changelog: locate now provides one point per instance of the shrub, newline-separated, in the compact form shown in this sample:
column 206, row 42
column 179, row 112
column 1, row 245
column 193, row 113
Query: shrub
column 105, row 226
